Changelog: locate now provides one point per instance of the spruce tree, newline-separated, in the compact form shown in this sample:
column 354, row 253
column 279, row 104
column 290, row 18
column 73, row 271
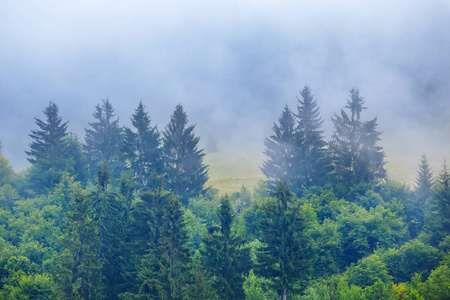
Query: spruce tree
column 356, row 156
column 281, row 150
column 141, row 147
column 187, row 174
column 286, row 257
column 437, row 210
column 52, row 152
column 415, row 209
column 313, row 156
column 107, row 211
column 79, row 266
column 225, row 258
column 102, row 140
column 443, row 198
column 163, row 271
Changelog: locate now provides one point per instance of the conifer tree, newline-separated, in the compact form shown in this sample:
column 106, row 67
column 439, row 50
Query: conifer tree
column 282, row 152
column 163, row 271
column 313, row 157
column 141, row 148
column 437, row 210
column 225, row 258
column 80, row 275
column 102, row 140
column 415, row 209
column 443, row 198
column 286, row 256
column 107, row 211
column 356, row 156
column 187, row 174
column 51, row 151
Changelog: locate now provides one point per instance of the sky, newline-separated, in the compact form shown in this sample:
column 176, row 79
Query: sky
column 233, row 65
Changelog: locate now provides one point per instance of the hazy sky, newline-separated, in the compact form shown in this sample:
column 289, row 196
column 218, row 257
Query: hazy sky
column 233, row 65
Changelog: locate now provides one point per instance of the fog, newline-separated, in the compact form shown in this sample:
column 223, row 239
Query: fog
column 233, row 65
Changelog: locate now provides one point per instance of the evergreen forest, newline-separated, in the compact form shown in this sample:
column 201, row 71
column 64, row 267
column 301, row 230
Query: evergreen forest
column 126, row 213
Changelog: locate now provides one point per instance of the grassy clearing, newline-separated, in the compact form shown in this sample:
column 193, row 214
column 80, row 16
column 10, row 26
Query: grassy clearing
column 228, row 173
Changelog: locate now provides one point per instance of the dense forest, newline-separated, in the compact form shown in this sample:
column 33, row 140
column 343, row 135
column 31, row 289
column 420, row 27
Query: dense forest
column 126, row 213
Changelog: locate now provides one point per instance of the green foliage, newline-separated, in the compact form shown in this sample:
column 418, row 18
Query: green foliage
column 200, row 287
column 225, row 258
column 411, row 258
column 252, row 288
column 102, row 140
column 196, row 229
column 205, row 209
column 6, row 171
column 141, row 148
column 415, row 208
column 8, row 197
column 370, row 199
column 282, row 151
column 287, row 255
column 107, row 210
column 438, row 283
column 53, row 152
column 241, row 200
column 32, row 287
column 368, row 271
column 437, row 216
column 79, row 267
column 186, row 172
column 356, row 156
column 363, row 231
column 328, row 247
column 312, row 154
column 163, row 271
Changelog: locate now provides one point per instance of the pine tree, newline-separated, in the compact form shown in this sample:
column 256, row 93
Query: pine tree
column 443, row 198
column 415, row 209
column 200, row 287
column 437, row 210
column 356, row 156
column 163, row 271
column 143, row 237
column 286, row 256
column 186, row 172
column 102, row 140
column 225, row 258
column 141, row 148
column 107, row 211
column 79, row 275
column 313, row 156
column 51, row 151
column 281, row 150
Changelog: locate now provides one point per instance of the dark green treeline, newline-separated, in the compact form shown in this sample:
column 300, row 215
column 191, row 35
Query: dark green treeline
column 126, row 215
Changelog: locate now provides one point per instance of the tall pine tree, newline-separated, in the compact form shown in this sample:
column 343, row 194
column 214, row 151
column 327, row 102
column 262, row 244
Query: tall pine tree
column 164, row 269
column 282, row 152
column 79, row 266
column 313, row 155
column 102, row 140
column 107, row 212
column 356, row 156
column 141, row 147
column 287, row 256
column 187, row 174
column 415, row 208
column 225, row 258
column 443, row 198
column 52, row 151
column 437, row 210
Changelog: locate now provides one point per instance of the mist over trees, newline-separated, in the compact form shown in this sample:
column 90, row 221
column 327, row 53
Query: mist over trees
column 128, row 214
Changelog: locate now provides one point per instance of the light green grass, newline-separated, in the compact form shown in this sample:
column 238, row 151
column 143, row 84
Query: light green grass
column 229, row 172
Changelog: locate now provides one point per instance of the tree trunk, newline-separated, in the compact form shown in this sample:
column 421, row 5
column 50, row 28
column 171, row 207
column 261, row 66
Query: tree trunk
column 284, row 294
